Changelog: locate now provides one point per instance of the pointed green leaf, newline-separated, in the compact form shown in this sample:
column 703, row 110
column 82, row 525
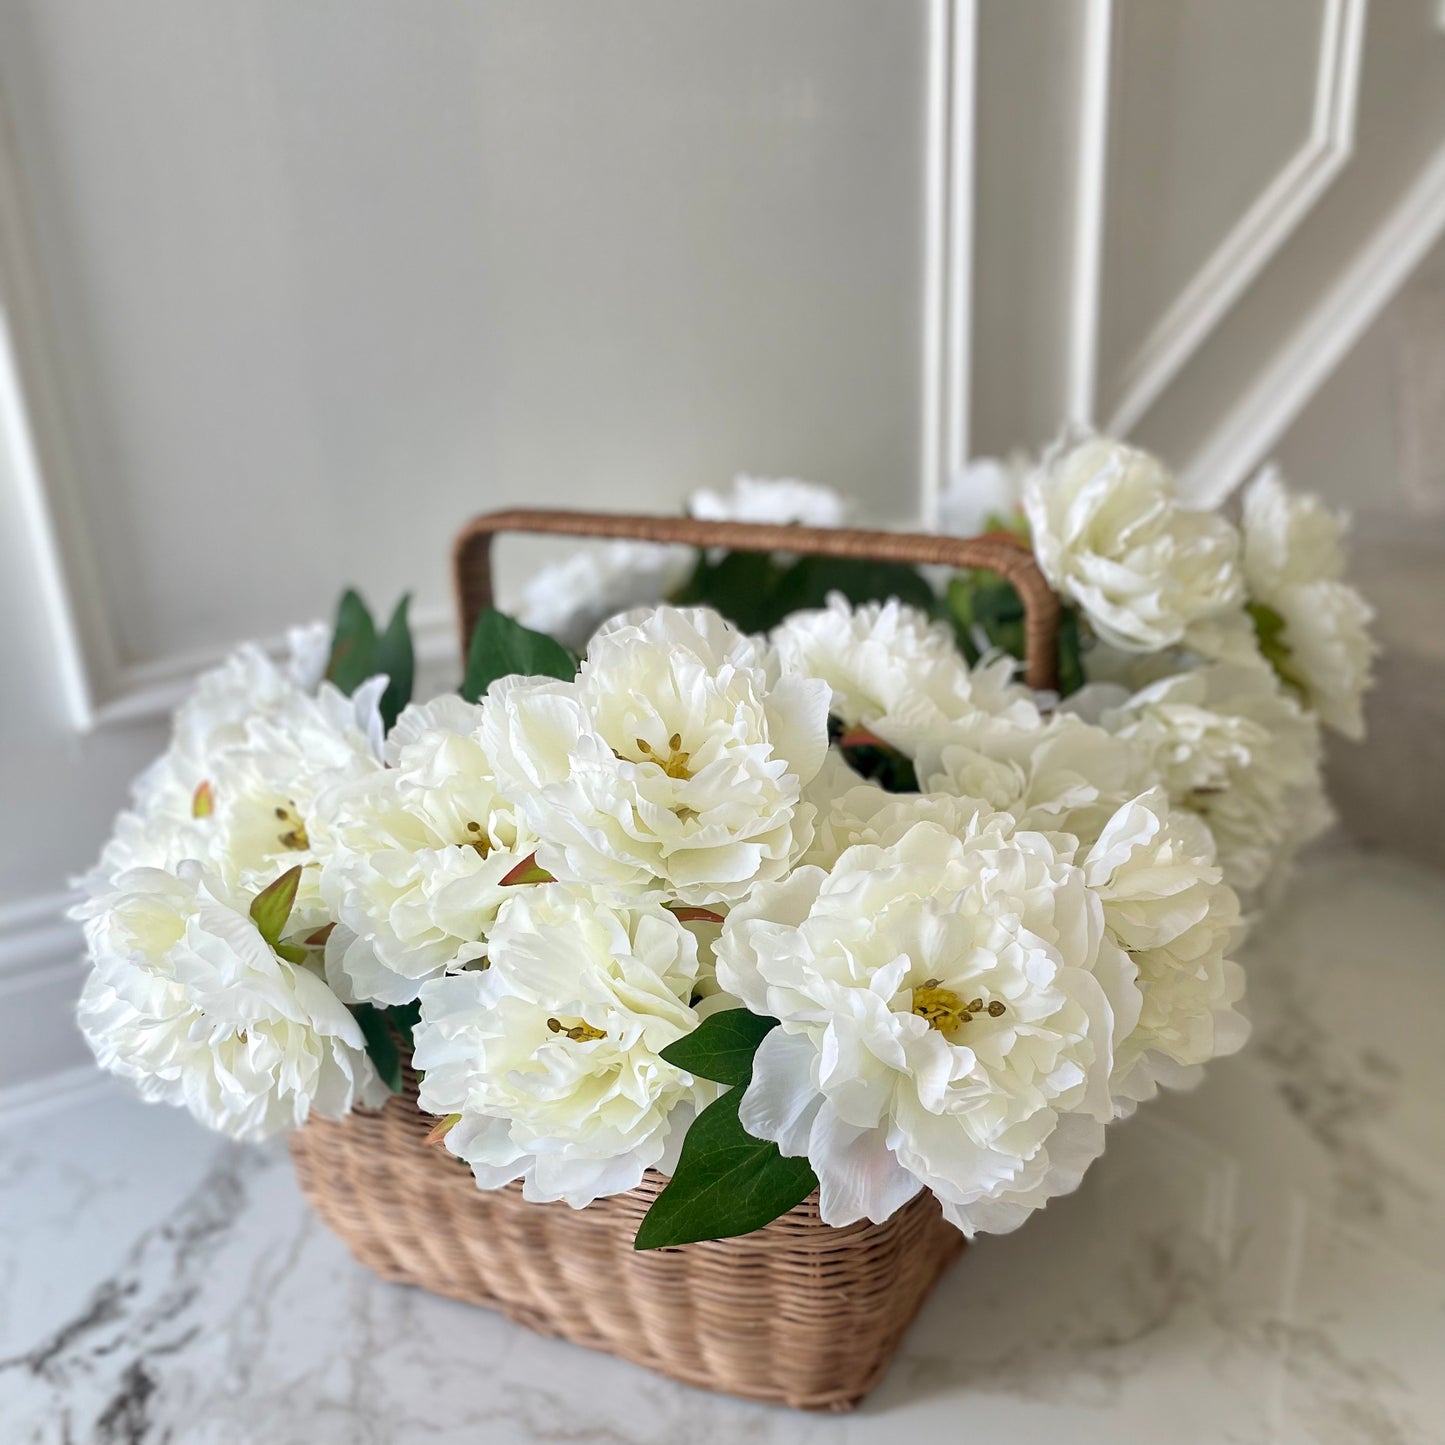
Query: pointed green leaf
column 380, row 1044
column 501, row 647
column 395, row 657
column 272, row 906
column 721, row 1047
column 353, row 644
column 807, row 583
column 727, row 1182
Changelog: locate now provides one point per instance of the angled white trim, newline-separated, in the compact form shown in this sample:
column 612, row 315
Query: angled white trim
column 32, row 443
column 1268, row 223
column 1300, row 366
column 948, row 246
column 1091, row 162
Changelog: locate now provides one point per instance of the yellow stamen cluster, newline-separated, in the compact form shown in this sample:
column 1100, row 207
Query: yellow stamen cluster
column 294, row 836
column 579, row 1033
column 942, row 1009
column 478, row 839
column 678, row 763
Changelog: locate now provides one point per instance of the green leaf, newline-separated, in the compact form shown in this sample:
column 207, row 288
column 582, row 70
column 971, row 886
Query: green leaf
column 872, row 758
column 721, row 1047
column 727, row 1182
column 809, row 580
column 1071, row 661
column 380, row 1044
column 740, row 585
column 272, row 906
column 501, row 647
column 1269, row 628
column 353, row 644
column 406, row 1016
column 394, row 656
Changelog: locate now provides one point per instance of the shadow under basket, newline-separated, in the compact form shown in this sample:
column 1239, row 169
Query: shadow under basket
column 797, row 1313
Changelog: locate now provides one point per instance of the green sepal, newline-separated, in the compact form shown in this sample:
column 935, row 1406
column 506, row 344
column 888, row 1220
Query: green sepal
column 502, row 647
column 272, row 906
column 380, row 1044
column 722, row 1046
column 727, row 1182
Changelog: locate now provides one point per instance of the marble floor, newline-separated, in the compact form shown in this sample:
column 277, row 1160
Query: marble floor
column 1259, row 1261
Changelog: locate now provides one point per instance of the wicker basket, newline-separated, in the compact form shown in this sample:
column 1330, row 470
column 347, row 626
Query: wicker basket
column 797, row 1313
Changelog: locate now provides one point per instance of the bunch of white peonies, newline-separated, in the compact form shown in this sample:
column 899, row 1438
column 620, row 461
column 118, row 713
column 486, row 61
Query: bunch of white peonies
column 838, row 906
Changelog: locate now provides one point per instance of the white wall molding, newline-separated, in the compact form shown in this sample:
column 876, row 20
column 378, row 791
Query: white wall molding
column 35, row 936
column 1090, row 196
column 1300, row 366
column 1268, row 223
column 35, row 1098
column 153, row 689
column 948, row 246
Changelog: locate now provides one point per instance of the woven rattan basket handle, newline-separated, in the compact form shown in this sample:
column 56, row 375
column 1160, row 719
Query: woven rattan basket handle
column 1010, row 558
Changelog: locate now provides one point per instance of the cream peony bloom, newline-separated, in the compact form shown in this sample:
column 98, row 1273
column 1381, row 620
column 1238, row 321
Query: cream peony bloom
column 1166, row 906
column 570, row 599
column 897, row 674
column 1111, row 538
column 984, row 493
column 250, row 753
column 1062, row 776
column 1230, row 746
column 780, row 500
column 551, row 1055
column 1314, row 627
column 191, row 1004
column 676, row 761
column 416, row 856
column 949, row 1008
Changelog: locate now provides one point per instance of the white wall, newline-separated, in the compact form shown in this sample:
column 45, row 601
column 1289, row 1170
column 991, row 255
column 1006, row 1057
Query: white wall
column 293, row 286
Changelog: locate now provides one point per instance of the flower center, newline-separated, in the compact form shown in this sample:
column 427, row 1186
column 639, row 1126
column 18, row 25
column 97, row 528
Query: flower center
column 579, row 1032
column 678, row 764
column 476, row 839
column 293, row 835
column 942, row 1009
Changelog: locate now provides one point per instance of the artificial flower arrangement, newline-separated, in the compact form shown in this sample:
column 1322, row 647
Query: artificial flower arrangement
column 786, row 885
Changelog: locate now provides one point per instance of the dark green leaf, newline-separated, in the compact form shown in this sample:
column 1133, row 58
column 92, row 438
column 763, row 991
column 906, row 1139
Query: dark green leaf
column 727, row 1182
column 721, row 1047
column 809, row 580
column 394, row 657
column 501, row 647
column 380, row 1044
column 1269, row 628
column 353, row 644
column 272, row 906
column 872, row 758
column 406, row 1016
column 1071, row 662
column 740, row 585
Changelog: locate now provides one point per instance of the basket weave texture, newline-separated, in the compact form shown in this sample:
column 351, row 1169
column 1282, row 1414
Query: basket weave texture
column 797, row 1313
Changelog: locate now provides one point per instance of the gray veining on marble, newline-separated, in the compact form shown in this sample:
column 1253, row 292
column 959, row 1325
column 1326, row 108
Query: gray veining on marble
column 1259, row 1261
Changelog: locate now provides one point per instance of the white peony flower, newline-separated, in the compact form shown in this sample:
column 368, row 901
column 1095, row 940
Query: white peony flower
column 1314, row 627
column 551, row 1055
column 250, row 753
column 192, row 1005
column 676, row 761
column 570, row 599
column 416, row 856
column 1062, row 776
column 782, row 501
column 984, row 493
column 1229, row 745
column 1112, row 538
column 895, row 673
column 949, row 1008
column 1166, row 906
